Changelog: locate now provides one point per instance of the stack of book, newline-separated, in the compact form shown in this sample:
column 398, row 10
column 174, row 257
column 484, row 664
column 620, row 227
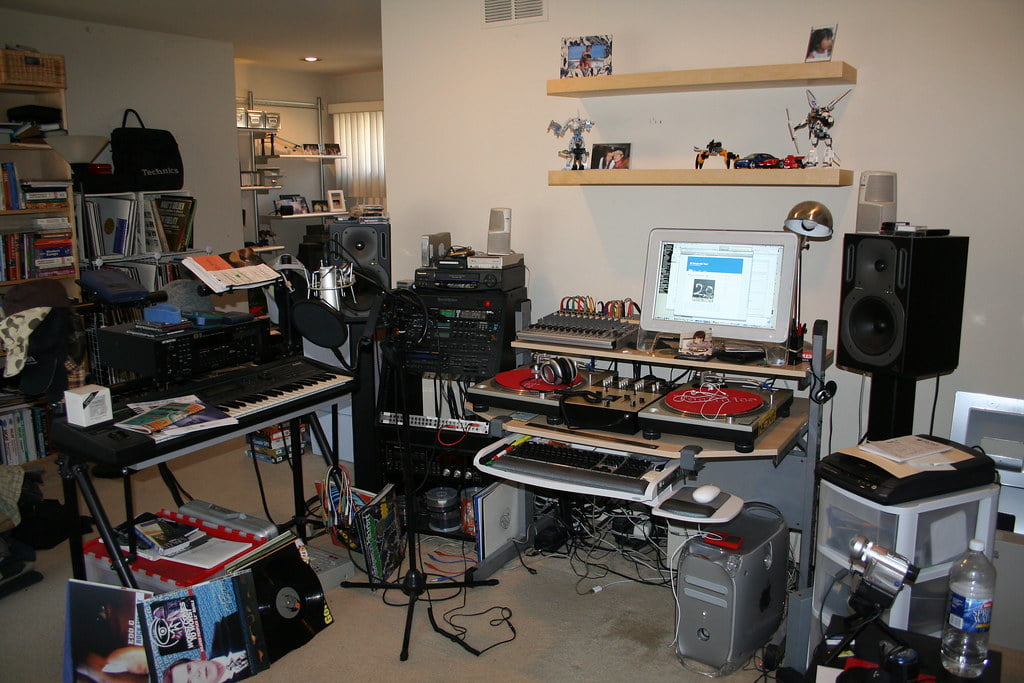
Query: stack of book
column 42, row 249
column 273, row 444
column 157, row 537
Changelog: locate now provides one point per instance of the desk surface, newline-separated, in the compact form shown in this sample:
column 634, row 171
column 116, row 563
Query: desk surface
column 666, row 358
column 776, row 442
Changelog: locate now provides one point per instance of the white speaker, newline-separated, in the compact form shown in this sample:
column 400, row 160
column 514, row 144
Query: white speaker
column 499, row 231
column 876, row 202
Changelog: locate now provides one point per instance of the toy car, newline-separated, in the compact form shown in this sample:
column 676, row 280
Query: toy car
column 792, row 161
column 761, row 160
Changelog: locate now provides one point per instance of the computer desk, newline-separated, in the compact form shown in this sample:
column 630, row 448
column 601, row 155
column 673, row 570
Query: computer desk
column 779, row 471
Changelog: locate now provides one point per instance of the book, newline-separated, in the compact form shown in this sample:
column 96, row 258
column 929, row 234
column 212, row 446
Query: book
column 221, row 272
column 380, row 535
column 175, row 214
column 101, row 632
column 213, row 626
column 166, row 537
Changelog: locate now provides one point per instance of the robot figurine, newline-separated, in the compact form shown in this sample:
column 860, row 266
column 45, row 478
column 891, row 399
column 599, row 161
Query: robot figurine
column 818, row 122
column 576, row 154
column 714, row 148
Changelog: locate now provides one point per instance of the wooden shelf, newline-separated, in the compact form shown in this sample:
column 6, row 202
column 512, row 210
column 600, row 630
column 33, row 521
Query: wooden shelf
column 31, row 212
column 697, row 80
column 296, row 216
column 28, row 146
column 796, row 177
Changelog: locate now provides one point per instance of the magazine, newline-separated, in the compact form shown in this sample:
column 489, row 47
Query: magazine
column 167, row 418
column 380, row 535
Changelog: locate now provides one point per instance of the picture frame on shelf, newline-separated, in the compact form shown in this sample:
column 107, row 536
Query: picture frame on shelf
column 336, row 200
column 585, row 56
column 332, row 149
column 311, row 148
column 272, row 119
column 610, row 155
column 290, row 205
column 256, row 119
column 241, row 117
column 319, row 206
column 821, row 43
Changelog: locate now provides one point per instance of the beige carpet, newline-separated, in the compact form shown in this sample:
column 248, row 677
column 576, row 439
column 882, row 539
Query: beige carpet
column 621, row 633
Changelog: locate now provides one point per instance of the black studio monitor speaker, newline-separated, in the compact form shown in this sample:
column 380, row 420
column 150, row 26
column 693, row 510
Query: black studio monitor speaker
column 901, row 303
column 368, row 247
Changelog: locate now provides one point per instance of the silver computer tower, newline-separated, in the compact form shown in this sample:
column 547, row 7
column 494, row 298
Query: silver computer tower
column 731, row 600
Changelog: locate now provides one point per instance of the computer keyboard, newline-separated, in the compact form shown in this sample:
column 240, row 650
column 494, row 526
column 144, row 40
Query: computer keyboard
column 580, row 469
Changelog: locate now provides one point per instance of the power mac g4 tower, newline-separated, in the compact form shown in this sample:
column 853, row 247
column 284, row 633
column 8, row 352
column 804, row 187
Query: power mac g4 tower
column 731, row 598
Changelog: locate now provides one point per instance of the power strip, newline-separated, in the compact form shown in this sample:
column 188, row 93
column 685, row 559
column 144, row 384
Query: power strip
column 428, row 422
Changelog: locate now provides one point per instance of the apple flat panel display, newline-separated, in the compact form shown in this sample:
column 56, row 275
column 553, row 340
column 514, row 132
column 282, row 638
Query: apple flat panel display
column 733, row 284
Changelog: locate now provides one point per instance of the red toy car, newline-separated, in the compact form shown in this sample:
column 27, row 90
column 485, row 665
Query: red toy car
column 792, row 161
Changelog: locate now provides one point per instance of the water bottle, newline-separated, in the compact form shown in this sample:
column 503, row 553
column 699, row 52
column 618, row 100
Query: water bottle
column 972, row 585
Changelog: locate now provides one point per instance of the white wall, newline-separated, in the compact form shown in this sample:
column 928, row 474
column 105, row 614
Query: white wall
column 938, row 100
column 184, row 85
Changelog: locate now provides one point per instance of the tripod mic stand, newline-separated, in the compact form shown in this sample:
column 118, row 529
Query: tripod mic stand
column 414, row 583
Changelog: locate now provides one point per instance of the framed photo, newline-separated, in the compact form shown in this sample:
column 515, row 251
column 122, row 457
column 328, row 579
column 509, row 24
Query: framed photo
column 336, row 200
column 610, row 155
column 272, row 119
column 291, row 204
column 821, row 43
column 311, row 148
column 241, row 117
column 332, row 148
column 584, row 56
column 319, row 206
column 256, row 119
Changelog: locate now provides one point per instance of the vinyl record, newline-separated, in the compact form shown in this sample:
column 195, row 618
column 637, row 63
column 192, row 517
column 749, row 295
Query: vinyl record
column 522, row 380
column 291, row 601
column 713, row 402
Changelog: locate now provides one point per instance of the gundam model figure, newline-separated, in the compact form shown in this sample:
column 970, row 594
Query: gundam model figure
column 818, row 122
column 576, row 154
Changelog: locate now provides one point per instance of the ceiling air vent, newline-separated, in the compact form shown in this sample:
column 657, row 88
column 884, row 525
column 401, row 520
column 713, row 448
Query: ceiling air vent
column 507, row 12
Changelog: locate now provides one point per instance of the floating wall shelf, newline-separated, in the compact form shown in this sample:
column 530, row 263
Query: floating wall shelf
column 697, row 80
column 823, row 177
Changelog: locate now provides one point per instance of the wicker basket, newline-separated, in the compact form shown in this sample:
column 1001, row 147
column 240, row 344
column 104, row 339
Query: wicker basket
column 19, row 68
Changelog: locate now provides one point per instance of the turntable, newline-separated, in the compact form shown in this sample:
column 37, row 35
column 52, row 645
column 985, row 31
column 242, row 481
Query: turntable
column 593, row 400
column 725, row 413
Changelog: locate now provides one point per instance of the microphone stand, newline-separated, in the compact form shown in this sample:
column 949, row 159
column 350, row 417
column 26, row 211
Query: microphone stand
column 414, row 583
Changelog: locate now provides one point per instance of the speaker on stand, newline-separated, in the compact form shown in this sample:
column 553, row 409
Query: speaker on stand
column 368, row 247
column 901, row 309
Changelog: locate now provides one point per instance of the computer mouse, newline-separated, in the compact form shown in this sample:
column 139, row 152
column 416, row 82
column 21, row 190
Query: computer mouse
column 706, row 493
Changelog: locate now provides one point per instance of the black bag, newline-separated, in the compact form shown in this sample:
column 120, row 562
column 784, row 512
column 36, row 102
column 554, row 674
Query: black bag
column 145, row 159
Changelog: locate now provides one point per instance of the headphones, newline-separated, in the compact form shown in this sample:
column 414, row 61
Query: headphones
column 555, row 370
column 823, row 393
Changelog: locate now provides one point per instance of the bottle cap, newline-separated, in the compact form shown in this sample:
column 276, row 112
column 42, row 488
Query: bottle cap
column 976, row 544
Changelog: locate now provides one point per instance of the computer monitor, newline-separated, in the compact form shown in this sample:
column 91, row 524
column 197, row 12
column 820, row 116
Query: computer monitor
column 733, row 284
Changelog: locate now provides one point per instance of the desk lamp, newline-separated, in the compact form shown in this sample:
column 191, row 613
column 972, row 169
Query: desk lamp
column 809, row 220
column 78, row 151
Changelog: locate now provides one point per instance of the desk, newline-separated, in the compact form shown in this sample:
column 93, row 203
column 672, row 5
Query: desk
column 779, row 471
column 105, row 444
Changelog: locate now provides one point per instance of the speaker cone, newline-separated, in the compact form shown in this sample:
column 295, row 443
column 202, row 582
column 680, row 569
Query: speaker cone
column 872, row 326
